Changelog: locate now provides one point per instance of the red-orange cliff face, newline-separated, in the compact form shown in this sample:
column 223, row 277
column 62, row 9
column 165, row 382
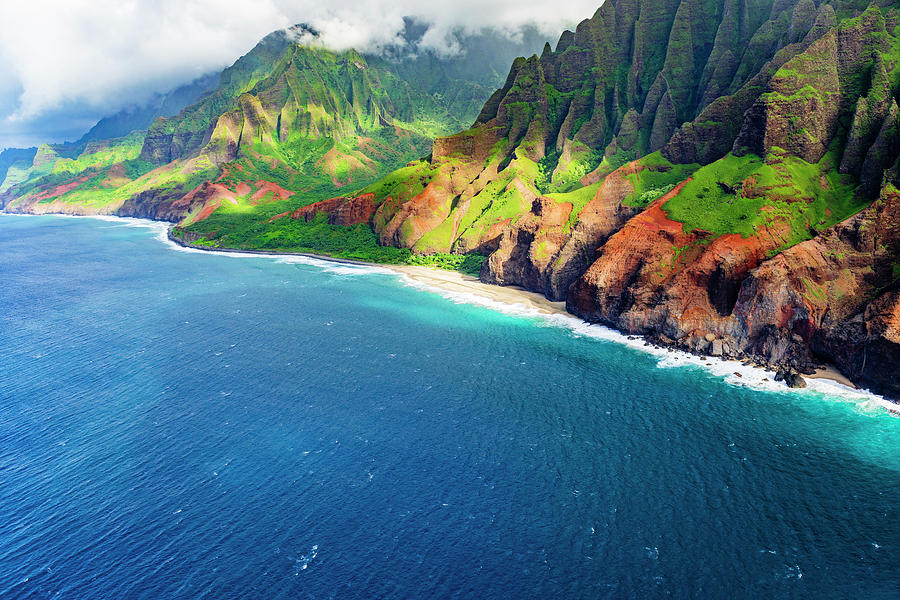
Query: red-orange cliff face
column 542, row 252
column 835, row 296
column 720, row 175
column 652, row 277
column 791, row 114
column 341, row 211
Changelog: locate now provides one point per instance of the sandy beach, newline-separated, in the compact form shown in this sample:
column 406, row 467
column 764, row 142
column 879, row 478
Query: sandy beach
column 520, row 300
column 832, row 374
column 456, row 283
column 453, row 281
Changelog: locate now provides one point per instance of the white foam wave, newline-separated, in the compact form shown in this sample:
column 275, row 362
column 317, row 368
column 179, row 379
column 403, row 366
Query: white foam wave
column 338, row 269
column 302, row 563
column 515, row 309
column 332, row 266
column 732, row 372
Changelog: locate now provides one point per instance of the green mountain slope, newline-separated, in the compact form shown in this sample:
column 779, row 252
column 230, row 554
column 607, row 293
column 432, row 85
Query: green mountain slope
column 653, row 163
column 720, row 175
column 287, row 120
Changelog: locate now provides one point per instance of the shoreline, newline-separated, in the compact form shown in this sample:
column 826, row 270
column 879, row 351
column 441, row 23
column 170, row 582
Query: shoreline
column 460, row 283
column 513, row 299
column 455, row 283
column 184, row 244
column 462, row 288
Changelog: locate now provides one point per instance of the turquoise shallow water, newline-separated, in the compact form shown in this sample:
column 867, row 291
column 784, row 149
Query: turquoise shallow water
column 188, row 425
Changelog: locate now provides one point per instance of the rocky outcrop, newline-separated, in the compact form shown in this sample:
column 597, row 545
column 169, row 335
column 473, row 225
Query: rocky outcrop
column 653, row 278
column 527, row 250
column 544, row 251
column 868, row 119
column 799, row 112
column 882, row 153
column 161, row 146
column 881, row 348
column 830, row 297
column 171, row 204
column 719, row 175
column 341, row 211
column 833, row 298
column 420, row 214
column 675, row 75
column 791, row 84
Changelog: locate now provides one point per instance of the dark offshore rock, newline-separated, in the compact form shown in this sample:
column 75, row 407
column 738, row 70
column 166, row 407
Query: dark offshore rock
column 787, row 80
column 795, row 381
column 810, row 301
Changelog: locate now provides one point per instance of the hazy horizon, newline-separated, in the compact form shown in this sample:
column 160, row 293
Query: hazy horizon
column 60, row 72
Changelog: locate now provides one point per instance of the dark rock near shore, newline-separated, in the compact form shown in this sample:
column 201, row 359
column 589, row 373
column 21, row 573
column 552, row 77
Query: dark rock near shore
column 795, row 381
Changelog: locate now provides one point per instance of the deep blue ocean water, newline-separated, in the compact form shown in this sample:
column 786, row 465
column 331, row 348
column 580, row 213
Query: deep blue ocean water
column 189, row 425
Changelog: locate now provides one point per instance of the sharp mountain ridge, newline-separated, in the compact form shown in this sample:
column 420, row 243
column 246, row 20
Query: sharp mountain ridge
column 718, row 175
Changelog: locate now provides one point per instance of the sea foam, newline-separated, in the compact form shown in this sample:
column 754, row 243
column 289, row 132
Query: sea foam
column 731, row 371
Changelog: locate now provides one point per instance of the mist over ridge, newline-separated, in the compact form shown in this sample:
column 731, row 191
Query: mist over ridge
column 61, row 70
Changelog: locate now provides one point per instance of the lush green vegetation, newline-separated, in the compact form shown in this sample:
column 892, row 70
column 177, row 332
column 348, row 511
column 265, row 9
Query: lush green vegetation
column 578, row 198
column 499, row 201
column 349, row 120
column 569, row 169
column 53, row 169
column 405, row 182
column 655, row 177
column 234, row 227
column 230, row 227
column 544, row 143
column 469, row 264
column 319, row 124
column 96, row 156
column 742, row 194
column 708, row 200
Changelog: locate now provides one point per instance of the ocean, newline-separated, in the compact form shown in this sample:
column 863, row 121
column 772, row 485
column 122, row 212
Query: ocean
column 178, row 424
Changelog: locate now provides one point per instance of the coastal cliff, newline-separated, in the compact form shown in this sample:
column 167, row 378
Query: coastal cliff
column 724, row 184
column 718, row 175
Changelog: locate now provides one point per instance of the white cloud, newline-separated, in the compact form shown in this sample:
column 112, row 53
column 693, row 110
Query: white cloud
column 108, row 54
column 101, row 52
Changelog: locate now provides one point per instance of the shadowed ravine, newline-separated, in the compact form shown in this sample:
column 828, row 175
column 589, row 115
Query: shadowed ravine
column 718, row 175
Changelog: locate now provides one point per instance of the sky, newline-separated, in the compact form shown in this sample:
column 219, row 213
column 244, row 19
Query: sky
column 64, row 64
